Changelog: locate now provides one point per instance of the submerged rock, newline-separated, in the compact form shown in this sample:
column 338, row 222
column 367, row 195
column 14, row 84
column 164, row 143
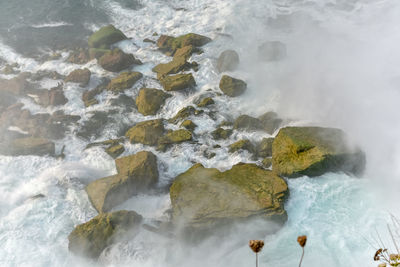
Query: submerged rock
column 313, row 151
column 264, row 149
column 205, row 102
column 28, row 146
column 105, row 37
column 150, row 100
column 91, row 238
column 178, row 82
column 136, row 174
column 79, row 76
column 232, row 87
column 184, row 113
column 146, row 132
column 189, row 125
column 228, row 61
column 88, row 97
column 270, row 121
column 203, row 198
column 272, row 51
column 244, row 144
column 116, row 60
column 124, row 81
column 221, row 133
column 115, row 150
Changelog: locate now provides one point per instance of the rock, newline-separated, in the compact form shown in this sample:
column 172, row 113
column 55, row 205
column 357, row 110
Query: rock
column 79, row 76
column 147, row 40
column 183, row 114
column 124, row 81
column 136, row 174
column 173, row 67
column 203, row 198
column 313, row 151
column 53, row 97
column 178, row 82
column 150, row 100
column 91, row 238
column 264, row 149
column 245, row 122
column 189, row 125
column 185, row 52
column 28, row 146
column 146, row 132
column 221, row 133
column 17, row 86
column 110, row 142
column 267, row 163
column 79, row 56
column 126, row 103
column 205, row 102
column 97, row 53
column 88, row 97
column 41, row 74
column 115, row 150
column 116, row 60
column 94, row 126
column 232, row 87
column 9, row 70
column 270, row 122
column 244, row 144
column 174, row 137
column 168, row 44
column 228, row 61
column 272, row 51
column 209, row 155
column 105, row 37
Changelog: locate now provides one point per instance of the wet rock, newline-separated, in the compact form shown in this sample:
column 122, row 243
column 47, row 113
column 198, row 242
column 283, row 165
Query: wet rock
column 28, row 146
column 41, row 74
column 245, row 122
column 221, row 133
column 116, row 60
column 173, row 67
column 17, row 86
column 205, row 102
column 146, row 132
column 203, row 198
column 232, row 87
column 81, row 76
column 168, row 44
column 95, row 125
column 97, row 53
column 124, row 81
column 136, row 174
column 228, row 61
column 189, row 125
column 110, row 142
column 183, row 114
column 178, row 82
column 270, row 121
column 88, row 97
column 313, row 151
column 91, row 238
column 267, row 163
column 174, row 137
column 105, row 37
column 126, row 103
column 264, row 149
column 244, row 144
column 185, row 52
column 79, row 56
column 53, row 97
column 147, row 40
column 272, row 51
column 9, row 69
column 150, row 100
column 115, row 150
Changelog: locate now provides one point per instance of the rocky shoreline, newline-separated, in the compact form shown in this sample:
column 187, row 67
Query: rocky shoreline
column 202, row 199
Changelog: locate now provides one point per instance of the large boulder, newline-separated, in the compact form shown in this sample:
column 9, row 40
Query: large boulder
column 168, row 44
column 136, row 174
column 228, row 61
column 272, row 51
column 105, row 37
column 150, row 100
column 91, row 238
column 313, row 151
column 232, row 87
column 116, row 60
column 178, row 82
column 28, row 146
column 146, row 132
column 202, row 198
column 124, row 81
column 81, row 76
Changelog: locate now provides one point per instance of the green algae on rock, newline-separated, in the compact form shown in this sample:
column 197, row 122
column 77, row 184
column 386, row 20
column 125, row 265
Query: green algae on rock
column 243, row 144
column 173, row 67
column 221, row 133
column 174, row 137
column 146, row 132
column 189, row 125
column 150, row 100
column 313, row 151
column 205, row 102
column 232, row 87
column 169, row 44
column 115, row 150
column 178, row 82
column 105, row 37
column 91, row 238
column 124, row 81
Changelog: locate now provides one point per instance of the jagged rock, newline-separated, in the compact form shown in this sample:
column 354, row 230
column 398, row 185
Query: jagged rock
column 174, row 137
column 150, row 100
column 178, row 82
column 270, row 122
column 245, row 122
column 79, row 76
column 272, row 51
column 228, row 61
column 184, row 113
column 203, row 198
column 313, row 151
column 244, row 144
column 88, row 97
column 124, row 81
column 146, row 132
column 189, row 125
column 79, row 56
column 168, row 44
column 116, row 60
column 221, row 133
column 185, row 52
column 205, row 102
column 115, row 150
column 105, row 37
column 232, row 87
column 136, row 174
column 91, row 238
column 53, row 97
column 264, row 149
column 28, row 146
column 173, row 67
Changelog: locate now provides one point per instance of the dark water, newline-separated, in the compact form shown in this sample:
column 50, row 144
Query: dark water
column 19, row 21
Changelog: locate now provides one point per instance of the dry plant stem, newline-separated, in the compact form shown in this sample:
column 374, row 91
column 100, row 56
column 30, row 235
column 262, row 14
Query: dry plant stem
column 256, row 259
column 301, row 259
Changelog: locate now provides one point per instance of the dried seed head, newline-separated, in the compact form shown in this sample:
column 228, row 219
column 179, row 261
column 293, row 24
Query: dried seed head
column 377, row 254
column 256, row 245
column 302, row 240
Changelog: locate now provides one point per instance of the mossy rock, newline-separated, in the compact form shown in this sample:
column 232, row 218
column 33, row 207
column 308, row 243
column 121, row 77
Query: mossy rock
column 202, row 198
column 146, row 132
column 97, row 53
column 91, row 238
column 228, row 61
column 28, row 146
column 245, row 122
column 175, row 137
column 115, row 150
column 124, row 81
column 116, row 60
column 267, row 163
column 264, row 149
column 150, row 100
column 205, row 102
column 105, row 37
column 185, row 52
column 232, row 87
column 109, row 142
column 136, row 174
column 244, row 144
column 270, row 121
column 221, row 133
column 173, row 67
column 183, row 114
column 189, row 125
column 171, row 44
column 81, row 76
column 313, row 151
column 178, row 82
